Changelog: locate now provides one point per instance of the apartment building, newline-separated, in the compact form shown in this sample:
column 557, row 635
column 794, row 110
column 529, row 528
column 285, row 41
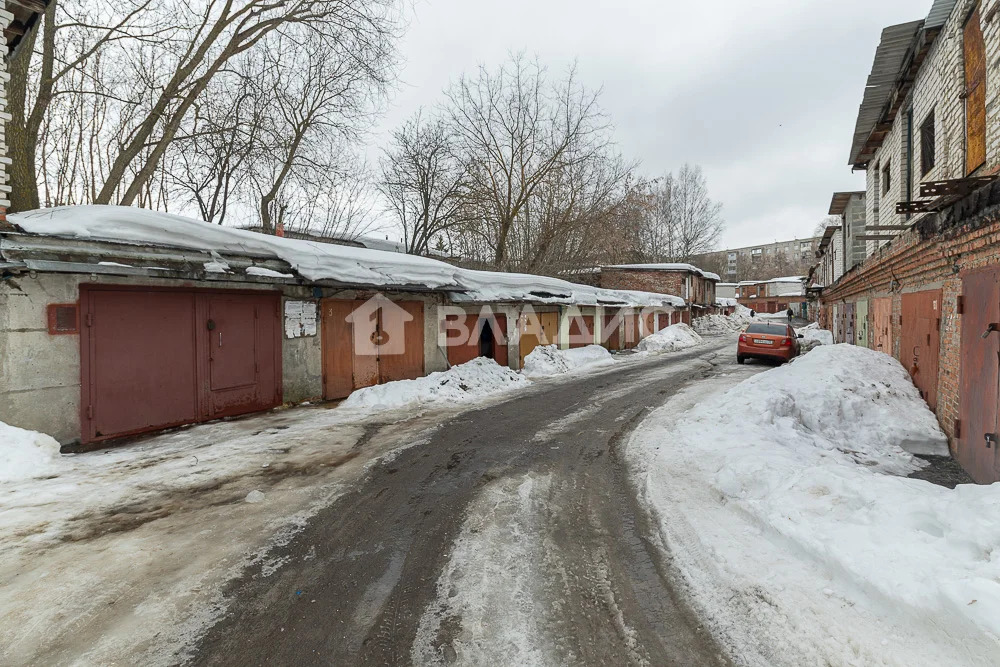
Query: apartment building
column 761, row 262
column 928, row 293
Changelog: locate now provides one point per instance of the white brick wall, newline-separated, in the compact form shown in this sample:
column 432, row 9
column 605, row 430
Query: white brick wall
column 5, row 19
column 939, row 85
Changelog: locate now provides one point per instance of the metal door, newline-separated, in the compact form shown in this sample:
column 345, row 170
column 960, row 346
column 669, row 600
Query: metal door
column 861, row 323
column 980, row 374
column 662, row 321
column 338, row 349
column 630, row 322
column 232, row 353
column 848, row 315
column 138, row 361
column 881, row 317
column 648, row 324
column 401, row 341
column 581, row 330
column 838, row 325
column 550, row 328
column 919, row 341
column 974, row 52
column 500, row 351
column 460, row 351
column 610, row 331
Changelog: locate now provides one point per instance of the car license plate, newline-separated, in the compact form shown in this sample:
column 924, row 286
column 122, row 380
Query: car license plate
column 761, row 341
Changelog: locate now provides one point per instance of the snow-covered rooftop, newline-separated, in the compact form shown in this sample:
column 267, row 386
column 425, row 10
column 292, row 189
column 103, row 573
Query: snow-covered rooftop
column 315, row 261
column 788, row 279
column 673, row 266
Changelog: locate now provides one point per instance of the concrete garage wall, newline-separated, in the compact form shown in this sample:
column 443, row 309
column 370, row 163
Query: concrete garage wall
column 39, row 372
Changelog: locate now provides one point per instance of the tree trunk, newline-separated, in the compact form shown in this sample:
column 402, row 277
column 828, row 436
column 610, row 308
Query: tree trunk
column 20, row 141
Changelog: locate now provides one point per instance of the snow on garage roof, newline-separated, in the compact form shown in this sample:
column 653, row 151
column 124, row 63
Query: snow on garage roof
column 788, row 279
column 670, row 266
column 316, row 261
column 311, row 260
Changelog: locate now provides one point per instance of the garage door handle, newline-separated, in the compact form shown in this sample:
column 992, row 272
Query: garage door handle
column 220, row 339
column 991, row 439
column 993, row 326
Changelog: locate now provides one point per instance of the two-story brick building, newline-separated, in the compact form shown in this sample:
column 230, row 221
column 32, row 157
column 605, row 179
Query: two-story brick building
column 695, row 286
column 928, row 292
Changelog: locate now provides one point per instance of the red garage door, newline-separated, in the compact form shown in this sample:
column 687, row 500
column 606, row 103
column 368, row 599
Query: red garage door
column 152, row 359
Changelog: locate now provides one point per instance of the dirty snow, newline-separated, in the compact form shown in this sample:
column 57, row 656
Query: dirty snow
column 547, row 360
column 265, row 272
column 25, row 454
column 486, row 611
column 800, row 539
column 675, row 337
column 473, row 380
column 813, row 336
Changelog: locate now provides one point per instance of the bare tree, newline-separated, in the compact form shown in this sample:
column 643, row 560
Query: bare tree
column 73, row 33
column 699, row 218
column 422, row 181
column 515, row 130
column 828, row 221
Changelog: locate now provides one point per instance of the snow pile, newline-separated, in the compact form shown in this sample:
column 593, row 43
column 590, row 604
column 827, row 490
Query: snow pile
column 24, row 454
column 546, row 360
column 722, row 324
column 809, row 453
column 466, row 382
column 813, row 337
column 675, row 337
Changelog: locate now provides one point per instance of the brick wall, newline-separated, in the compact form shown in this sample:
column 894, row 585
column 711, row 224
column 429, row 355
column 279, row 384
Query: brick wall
column 662, row 282
column 933, row 255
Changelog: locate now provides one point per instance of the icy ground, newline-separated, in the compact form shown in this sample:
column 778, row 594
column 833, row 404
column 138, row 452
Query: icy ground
column 783, row 505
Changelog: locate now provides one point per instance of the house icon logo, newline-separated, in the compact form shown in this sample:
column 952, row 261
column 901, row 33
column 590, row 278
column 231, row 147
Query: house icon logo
column 379, row 326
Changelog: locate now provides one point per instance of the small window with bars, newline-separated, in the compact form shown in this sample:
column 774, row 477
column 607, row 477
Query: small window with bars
column 927, row 144
column 64, row 318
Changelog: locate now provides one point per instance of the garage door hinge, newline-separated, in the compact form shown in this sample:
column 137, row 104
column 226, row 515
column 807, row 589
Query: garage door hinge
column 90, row 412
column 960, row 306
column 958, row 428
column 90, row 319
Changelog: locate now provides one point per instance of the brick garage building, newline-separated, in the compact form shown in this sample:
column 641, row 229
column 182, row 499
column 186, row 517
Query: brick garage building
column 929, row 291
column 695, row 286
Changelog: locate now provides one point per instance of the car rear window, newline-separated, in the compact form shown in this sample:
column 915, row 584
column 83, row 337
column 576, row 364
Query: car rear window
column 773, row 329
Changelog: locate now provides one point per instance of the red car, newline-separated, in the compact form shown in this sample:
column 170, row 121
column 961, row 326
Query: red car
column 768, row 340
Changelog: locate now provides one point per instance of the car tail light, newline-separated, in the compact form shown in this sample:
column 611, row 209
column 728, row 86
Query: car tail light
column 787, row 342
column 743, row 338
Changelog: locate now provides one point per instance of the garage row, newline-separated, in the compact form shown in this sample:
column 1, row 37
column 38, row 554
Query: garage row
column 100, row 340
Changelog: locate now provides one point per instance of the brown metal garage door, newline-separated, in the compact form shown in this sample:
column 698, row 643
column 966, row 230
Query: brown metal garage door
column 367, row 343
column 881, row 316
column 610, row 334
column 581, row 330
column 920, row 342
column 155, row 358
column 980, row 367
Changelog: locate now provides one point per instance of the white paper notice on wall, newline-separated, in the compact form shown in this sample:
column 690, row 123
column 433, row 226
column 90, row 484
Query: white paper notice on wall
column 300, row 319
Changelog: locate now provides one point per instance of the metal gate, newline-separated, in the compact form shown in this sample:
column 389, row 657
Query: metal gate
column 543, row 329
column 920, row 341
column 980, row 375
column 847, row 313
column 487, row 337
column 881, row 317
column 611, row 331
column 861, row 323
column 155, row 358
column 581, row 330
column 370, row 342
column 838, row 325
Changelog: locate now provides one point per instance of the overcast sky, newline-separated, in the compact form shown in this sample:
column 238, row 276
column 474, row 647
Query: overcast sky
column 763, row 94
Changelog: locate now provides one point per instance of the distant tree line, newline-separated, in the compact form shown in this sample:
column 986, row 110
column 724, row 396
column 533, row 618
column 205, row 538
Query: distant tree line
column 255, row 112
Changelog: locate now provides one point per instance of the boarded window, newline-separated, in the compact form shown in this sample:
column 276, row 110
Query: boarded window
column 886, row 178
column 975, row 93
column 927, row 144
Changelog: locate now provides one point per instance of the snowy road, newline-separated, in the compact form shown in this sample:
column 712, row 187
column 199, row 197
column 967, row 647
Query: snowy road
column 510, row 537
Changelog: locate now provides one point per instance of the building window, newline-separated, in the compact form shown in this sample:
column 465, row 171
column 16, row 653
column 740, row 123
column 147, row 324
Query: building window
column 886, row 178
column 927, row 144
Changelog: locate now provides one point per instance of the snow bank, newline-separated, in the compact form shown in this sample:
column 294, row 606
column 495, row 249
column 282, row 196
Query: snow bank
column 24, row 454
column 813, row 337
column 547, row 360
column 675, row 337
column 810, row 453
column 466, row 382
column 722, row 324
